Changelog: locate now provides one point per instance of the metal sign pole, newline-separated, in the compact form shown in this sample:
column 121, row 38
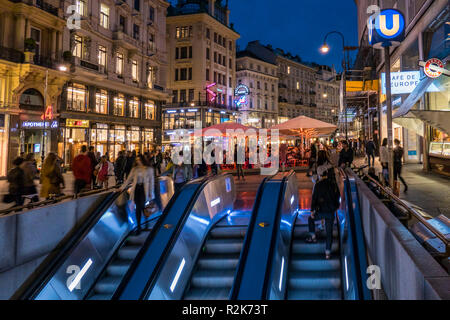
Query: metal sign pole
column 387, row 65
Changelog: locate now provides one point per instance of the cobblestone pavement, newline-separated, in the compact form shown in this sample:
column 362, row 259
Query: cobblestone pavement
column 427, row 190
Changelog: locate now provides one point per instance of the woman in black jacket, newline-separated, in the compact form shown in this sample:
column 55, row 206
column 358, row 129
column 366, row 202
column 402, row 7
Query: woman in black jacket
column 16, row 180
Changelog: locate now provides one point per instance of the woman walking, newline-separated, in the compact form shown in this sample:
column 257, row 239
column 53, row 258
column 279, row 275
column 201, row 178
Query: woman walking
column 105, row 169
column 142, row 190
column 398, row 155
column 51, row 177
column 384, row 160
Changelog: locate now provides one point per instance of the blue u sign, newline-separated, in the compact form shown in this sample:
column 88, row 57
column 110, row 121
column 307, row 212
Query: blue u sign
column 387, row 28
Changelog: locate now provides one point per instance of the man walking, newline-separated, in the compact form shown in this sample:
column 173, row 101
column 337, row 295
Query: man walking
column 370, row 151
column 325, row 202
column 313, row 158
column 345, row 156
column 81, row 168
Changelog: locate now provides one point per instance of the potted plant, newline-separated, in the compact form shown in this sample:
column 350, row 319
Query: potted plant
column 30, row 45
column 67, row 56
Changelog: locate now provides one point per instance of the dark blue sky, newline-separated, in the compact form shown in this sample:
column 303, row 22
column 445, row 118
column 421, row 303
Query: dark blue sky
column 297, row 26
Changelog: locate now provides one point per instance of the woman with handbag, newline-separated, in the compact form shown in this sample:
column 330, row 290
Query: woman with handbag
column 51, row 177
column 141, row 189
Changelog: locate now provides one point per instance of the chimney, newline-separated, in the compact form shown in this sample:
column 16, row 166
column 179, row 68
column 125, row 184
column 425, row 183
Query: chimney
column 227, row 13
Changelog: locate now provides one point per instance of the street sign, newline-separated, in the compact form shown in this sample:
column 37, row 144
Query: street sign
column 433, row 68
column 386, row 29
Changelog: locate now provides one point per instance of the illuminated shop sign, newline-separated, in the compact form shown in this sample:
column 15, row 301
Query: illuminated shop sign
column 39, row 124
column 433, row 68
column 212, row 94
column 77, row 123
column 241, row 92
column 404, row 82
column 387, row 28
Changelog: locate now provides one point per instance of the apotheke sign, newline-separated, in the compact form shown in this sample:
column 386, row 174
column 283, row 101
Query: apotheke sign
column 39, row 124
column 404, row 82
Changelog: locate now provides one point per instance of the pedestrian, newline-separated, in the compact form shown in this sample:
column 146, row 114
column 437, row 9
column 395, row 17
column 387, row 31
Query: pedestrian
column 16, row 183
column 239, row 158
column 30, row 171
column 51, row 177
column 158, row 162
column 370, row 152
column 179, row 176
column 94, row 162
column 312, row 158
column 325, row 202
column 129, row 163
column 81, row 167
column 119, row 167
column 384, row 160
column 398, row 155
column 105, row 169
column 142, row 187
column 345, row 156
column 323, row 162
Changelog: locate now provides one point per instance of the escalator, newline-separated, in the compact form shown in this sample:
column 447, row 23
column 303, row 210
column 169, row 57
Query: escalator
column 204, row 246
column 311, row 276
column 91, row 261
column 295, row 270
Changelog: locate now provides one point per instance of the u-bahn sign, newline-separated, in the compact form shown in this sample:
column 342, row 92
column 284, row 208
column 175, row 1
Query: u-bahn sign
column 386, row 28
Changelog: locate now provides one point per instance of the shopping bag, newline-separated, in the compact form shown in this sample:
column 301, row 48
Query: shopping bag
column 152, row 208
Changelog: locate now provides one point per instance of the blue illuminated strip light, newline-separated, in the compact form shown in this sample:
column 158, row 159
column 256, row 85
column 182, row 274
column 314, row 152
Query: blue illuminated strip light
column 281, row 273
column 177, row 275
column 215, row 202
column 80, row 275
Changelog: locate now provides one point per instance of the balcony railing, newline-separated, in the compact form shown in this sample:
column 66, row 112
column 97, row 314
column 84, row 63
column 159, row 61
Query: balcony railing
column 44, row 61
column 89, row 65
column 11, row 55
column 41, row 5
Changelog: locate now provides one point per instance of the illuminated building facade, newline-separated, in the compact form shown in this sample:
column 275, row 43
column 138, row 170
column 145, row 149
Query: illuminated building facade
column 202, row 56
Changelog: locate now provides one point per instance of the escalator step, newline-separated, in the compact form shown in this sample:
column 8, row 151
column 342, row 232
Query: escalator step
column 315, row 280
column 118, row 267
column 218, row 261
column 302, row 247
column 314, row 262
column 207, row 294
column 302, row 233
column 223, row 245
column 128, row 252
column 315, row 294
column 228, row 232
column 107, row 285
column 213, row 278
column 138, row 240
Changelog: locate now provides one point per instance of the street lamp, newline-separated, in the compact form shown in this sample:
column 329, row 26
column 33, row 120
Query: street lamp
column 325, row 49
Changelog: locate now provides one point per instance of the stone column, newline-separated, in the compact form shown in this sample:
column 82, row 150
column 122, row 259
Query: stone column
column 53, row 42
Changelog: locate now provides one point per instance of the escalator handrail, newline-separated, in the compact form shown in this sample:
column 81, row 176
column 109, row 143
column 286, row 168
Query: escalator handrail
column 153, row 274
column 247, row 242
column 357, row 237
column 44, row 272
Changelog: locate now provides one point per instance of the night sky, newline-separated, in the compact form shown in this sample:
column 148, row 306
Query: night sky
column 297, row 26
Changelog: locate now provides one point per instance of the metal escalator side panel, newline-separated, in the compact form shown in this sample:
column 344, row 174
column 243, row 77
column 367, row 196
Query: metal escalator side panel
column 359, row 242
column 41, row 277
column 155, row 257
column 263, row 272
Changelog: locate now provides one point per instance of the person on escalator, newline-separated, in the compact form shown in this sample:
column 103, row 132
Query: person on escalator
column 141, row 189
column 325, row 202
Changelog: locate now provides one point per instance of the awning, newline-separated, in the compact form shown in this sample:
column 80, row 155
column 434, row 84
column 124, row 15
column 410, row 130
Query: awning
column 410, row 123
column 435, row 118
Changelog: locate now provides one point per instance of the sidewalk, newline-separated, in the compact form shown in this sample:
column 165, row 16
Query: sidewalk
column 429, row 191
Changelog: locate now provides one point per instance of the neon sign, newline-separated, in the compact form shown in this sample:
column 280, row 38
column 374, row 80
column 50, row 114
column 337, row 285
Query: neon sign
column 241, row 92
column 212, row 94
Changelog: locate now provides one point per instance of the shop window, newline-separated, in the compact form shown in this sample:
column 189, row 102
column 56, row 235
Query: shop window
column 76, row 97
column 150, row 110
column 133, row 105
column 101, row 101
column 119, row 105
